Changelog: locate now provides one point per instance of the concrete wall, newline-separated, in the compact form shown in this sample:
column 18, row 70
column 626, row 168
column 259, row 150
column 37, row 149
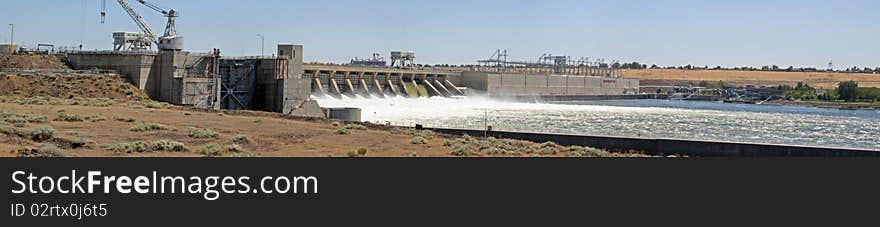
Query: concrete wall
column 181, row 78
column 7, row 49
column 168, row 76
column 693, row 148
column 292, row 90
column 520, row 84
column 136, row 68
column 474, row 80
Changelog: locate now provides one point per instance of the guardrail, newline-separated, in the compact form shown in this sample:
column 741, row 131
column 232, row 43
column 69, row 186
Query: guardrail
column 694, row 148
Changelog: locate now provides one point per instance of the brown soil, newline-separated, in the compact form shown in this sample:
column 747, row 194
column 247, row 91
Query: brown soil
column 269, row 136
column 31, row 62
column 818, row 79
column 67, row 86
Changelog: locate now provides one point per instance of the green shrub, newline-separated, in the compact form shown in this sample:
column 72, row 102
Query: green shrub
column 38, row 100
column 548, row 144
column 360, row 152
column 38, row 119
column 462, row 150
column 342, row 131
column 242, row 155
column 447, row 143
column 42, row 133
column 355, row 127
column 548, row 151
column 70, row 117
column 200, row 133
column 578, row 151
column 15, row 120
column 92, row 101
column 168, row 145
column 234, row 148
column 50, row 150
column 133, row 147
column 97, row 118
column 153, row 104
column 212, row 150
column 144, row 127
column 125, row 119
column 241, row 139
column 80, row 142
column 418, row 140
column 427, row 134
column 494, row 151
column 414, row 154
column 12, row 131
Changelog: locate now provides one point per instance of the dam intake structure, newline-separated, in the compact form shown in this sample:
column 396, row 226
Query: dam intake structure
column 371, row 82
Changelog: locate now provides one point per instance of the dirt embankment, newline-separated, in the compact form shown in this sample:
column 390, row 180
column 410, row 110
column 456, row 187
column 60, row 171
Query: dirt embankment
column 823, row 80
column 31, row 62
column 68, row 86
column 130, row 129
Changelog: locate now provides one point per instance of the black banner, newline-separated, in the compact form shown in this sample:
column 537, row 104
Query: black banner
column 413, row 192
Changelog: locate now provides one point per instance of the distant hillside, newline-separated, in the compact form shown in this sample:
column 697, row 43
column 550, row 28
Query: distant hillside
column 822, row 80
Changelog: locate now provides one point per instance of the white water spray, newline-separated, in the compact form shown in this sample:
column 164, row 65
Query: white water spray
column 637, row 118
column 405, row 111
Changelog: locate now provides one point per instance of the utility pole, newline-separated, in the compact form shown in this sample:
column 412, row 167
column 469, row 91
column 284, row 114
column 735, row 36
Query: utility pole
column 262, row 45
column 12, row 34
column 486, row 123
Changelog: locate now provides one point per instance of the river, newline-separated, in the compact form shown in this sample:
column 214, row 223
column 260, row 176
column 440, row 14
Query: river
column 792, row 125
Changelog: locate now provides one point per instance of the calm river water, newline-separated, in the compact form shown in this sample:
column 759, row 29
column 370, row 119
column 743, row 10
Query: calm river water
column 635, row 118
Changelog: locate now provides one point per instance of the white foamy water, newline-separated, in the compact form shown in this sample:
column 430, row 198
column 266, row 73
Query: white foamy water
column 636, row 118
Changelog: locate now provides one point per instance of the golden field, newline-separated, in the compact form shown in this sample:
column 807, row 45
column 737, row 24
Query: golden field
column 824, row 80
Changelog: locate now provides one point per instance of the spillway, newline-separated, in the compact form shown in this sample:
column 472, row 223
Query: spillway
column 366, row 82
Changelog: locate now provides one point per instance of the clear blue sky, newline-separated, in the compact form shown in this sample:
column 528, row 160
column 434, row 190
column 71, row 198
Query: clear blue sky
column 665, row 32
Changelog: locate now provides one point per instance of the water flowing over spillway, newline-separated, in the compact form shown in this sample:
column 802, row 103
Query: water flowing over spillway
column 635, row 118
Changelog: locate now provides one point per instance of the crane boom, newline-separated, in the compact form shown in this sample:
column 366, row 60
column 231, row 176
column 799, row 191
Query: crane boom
column 153, row 6
column 139, row 20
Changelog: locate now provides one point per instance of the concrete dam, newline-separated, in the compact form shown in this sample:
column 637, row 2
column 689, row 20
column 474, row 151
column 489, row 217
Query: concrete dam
column 285, row 84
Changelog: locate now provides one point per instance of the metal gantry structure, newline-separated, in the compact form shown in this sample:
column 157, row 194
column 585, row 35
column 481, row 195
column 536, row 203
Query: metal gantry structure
column 549, row 63
column 170, row 40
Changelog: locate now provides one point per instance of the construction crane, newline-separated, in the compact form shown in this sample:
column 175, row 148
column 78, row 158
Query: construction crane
column 169, row 41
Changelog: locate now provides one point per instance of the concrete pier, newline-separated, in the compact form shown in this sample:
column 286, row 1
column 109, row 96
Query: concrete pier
column 497, row 84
